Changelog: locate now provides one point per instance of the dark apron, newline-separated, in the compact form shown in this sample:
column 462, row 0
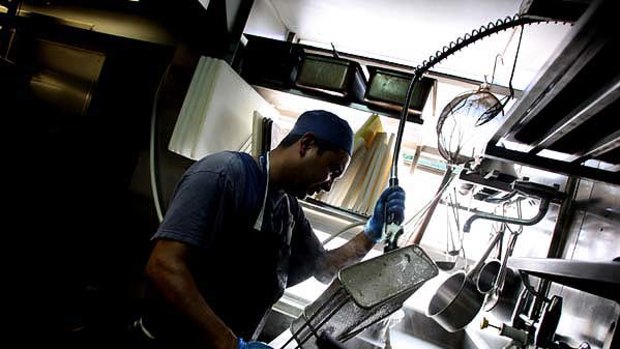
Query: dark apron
column 249, row 267
column 278, row 226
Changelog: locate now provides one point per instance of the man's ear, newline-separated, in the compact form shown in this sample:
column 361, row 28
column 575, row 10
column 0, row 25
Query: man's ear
column 306, row 142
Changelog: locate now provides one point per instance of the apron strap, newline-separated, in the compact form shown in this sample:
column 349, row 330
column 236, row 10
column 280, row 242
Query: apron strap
column 258, row 224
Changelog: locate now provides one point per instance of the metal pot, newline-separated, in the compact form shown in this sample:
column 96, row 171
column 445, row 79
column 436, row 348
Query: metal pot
column 456, row 302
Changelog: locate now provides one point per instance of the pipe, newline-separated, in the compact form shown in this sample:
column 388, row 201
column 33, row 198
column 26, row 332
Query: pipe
column 542, row 210
column 154, row 152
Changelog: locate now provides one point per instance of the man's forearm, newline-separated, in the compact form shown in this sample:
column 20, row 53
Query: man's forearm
column 176, row 284
column 349, row 253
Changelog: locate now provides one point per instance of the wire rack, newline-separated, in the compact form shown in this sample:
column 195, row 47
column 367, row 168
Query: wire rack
column 362, row 295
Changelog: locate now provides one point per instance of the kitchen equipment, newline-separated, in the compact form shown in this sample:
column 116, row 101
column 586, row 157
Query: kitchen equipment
column 522, row 337
column 524, row 301
column 549, row 322
column 529, row 189
column 489, row 113
column 363, row 294
column 454, row 244
column 545, row 335
column 501, row 301
column 217, row 111
column 440, row 55
column 457, row 301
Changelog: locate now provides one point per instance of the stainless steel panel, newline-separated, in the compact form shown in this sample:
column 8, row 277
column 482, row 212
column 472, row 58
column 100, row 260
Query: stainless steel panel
column 599, row 235
column 587, row 318
column 65, row 76
column 594, row 236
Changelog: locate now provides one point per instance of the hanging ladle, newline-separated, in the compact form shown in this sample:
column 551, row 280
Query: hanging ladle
column 498, row 293
column 451, row 248
column 490, row 272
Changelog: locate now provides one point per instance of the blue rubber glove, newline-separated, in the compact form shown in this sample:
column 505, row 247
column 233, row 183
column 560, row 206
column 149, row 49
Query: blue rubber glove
column 394, row 199
column 251, row 344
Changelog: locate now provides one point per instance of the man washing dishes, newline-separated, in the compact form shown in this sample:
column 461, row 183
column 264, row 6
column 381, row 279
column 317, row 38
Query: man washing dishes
column 234, row 237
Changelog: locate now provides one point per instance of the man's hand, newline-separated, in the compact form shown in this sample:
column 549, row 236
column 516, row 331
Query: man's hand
column 252, row 345
column 392, row 199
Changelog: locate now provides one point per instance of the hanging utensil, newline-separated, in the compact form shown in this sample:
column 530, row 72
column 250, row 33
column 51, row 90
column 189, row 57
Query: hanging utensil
column 487, row 277
column 503, row 298
column 453, row 251
column 504, row 286
column 460, row 121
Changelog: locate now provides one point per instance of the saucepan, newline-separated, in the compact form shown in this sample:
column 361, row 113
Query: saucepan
column 487, row 277
column 457, row 301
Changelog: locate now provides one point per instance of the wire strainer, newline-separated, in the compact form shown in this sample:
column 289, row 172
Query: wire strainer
column 457, row 125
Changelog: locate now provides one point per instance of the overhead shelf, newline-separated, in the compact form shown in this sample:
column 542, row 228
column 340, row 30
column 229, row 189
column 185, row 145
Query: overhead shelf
column 599, row 278
column 567, row 120
column 334, row 77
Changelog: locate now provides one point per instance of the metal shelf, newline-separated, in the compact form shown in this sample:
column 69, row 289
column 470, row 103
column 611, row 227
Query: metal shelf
column 599, row 278
column 277, row 65
column 566, row 122
column 333, row 210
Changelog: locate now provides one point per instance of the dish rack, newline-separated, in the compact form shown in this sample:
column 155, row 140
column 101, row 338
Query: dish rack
column 362, row 295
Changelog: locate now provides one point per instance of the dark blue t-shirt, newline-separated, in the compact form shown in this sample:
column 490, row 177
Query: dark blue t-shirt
column 240, row 271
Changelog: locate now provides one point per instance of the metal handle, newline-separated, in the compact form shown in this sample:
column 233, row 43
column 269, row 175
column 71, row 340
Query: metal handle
column 498, row 236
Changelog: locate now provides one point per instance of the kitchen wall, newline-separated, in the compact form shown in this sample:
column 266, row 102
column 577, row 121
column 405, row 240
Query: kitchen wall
column 594, row 236
column 83, row 230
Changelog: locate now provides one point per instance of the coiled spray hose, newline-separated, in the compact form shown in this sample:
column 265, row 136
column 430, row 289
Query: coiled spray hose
column 392, row 230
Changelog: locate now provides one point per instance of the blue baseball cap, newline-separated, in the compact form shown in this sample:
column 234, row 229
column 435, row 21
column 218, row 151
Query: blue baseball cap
column 327, row 127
